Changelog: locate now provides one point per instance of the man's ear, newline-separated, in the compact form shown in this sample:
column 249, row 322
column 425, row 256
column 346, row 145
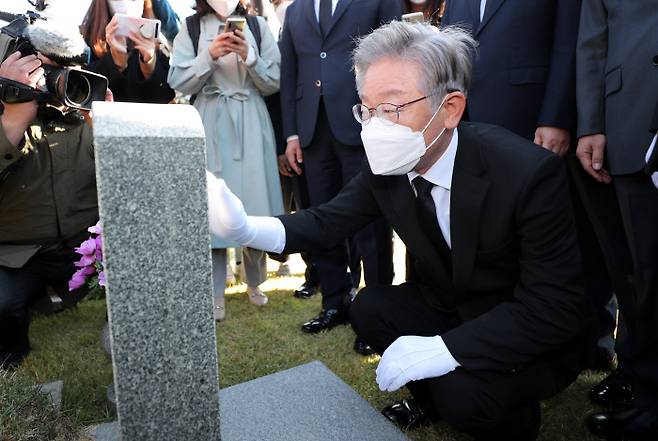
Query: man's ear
column 454, row 105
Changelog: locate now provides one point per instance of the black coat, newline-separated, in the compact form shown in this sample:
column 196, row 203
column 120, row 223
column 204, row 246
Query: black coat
column 516, row 266
column 130, row 84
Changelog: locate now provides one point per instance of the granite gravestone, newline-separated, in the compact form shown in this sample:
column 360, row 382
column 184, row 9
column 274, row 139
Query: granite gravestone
column 150, row 170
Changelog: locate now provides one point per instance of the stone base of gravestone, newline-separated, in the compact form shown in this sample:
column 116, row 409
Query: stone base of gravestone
column 276, row 408
column 54, row 392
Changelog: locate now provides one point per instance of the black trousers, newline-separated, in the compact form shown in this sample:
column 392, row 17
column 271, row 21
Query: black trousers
column 638, row 206
column 328, row 166
column 488, row 405
column 20, row 286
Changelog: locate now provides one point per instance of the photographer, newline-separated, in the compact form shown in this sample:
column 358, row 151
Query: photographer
column 48, row 199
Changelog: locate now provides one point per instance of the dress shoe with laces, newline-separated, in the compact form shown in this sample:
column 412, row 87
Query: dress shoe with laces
column 406, row 414
column 363, row 348
column 325, row 321
column 624, row 425
column 614, row 392
column 306, row 290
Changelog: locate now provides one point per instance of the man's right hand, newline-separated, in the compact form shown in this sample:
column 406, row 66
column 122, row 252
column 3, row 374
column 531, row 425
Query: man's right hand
column 294, row 155
column 17, row 117
column 590, row 152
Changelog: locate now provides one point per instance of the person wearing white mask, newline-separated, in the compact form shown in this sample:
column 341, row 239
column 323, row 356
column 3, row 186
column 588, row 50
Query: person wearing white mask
column 135, row 66
column 497, row 318
column 229, row 73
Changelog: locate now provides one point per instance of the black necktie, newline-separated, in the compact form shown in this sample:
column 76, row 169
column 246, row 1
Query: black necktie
column 325, row 16
column 426, row 211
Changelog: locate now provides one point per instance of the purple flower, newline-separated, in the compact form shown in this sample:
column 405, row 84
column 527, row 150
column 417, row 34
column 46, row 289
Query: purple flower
column 102, row 281
column 96, row 229
column 80, row 277
column 85, row 261
column 99, row 248
column 87, row 247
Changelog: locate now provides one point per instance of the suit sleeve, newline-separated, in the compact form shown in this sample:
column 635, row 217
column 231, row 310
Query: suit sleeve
column 549, row 307
column 325, row 226
column 559, row 104
column 390, row 10
column 288, row 79
column 590, row 67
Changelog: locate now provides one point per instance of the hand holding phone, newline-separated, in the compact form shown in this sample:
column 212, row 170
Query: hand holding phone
column 128, row 25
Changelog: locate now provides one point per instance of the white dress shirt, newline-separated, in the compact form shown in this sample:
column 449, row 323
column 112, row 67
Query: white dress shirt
column 440, row 174
column 316, row 3
column 483, row 5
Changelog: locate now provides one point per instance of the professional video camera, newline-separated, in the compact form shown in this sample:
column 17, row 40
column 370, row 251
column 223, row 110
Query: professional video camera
column 72, row 87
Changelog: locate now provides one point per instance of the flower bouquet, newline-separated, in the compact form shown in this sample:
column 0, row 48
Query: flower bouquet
column 91, row 270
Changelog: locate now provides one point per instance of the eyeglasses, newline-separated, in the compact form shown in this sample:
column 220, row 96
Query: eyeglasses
column 387, row 112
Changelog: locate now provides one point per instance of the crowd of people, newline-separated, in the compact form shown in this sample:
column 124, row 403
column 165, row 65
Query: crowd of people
column 510, row 145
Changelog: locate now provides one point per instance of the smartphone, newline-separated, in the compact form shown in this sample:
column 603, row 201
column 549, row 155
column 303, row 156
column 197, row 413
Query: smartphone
column 233, row 23
column 145, row 26
column 413, row 17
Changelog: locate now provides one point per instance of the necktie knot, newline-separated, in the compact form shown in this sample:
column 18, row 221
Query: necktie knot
column 423, row 186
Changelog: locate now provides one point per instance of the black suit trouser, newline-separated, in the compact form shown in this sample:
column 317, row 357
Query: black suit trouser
column 328, row 166
column 489, row 405
column 638, row 205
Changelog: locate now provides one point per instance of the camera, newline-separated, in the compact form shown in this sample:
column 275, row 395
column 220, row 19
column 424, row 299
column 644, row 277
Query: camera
column 72, row 87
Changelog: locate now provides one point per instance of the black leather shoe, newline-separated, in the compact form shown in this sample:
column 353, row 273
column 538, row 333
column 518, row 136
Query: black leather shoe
column 624, row 425
column 363, row 348
column 307, row 290
column 328, row 319
column 614, row 392
column 11, row 360
column 406, row 414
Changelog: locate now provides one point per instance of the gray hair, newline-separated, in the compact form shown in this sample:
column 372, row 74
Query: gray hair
column 443, row 55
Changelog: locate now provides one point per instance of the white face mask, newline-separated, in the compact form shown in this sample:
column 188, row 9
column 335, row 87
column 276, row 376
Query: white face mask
column 133, row 8
column 223, row 7
column 418, row 2
column 395, row 149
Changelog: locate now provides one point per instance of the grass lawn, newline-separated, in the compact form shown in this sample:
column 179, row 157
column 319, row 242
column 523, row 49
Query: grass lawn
column 252, row 342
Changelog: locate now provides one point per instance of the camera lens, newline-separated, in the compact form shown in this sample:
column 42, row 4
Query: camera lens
column 78, row 89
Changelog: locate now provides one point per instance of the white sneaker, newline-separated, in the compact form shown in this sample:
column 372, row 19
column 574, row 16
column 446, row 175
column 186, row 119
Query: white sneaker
column 256, row 296
column 219, row 308
column 283, row 271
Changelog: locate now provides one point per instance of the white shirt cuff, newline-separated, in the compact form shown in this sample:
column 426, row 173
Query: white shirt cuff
column 292, row 138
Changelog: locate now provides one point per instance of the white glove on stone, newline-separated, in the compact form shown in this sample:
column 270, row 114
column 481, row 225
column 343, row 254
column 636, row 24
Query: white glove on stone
column 229, row 221
column 412, row 358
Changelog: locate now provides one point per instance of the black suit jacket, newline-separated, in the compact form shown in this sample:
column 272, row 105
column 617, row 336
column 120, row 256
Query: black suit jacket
column 515, row 280
column 524, row 73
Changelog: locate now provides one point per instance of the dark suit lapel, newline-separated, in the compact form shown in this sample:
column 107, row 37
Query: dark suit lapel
column 466, row 198
column 489, row 11
column 311, row 17
column 341, row 7
column 403, row 200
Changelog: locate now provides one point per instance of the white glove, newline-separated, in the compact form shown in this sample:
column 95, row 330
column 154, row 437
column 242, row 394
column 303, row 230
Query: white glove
column 229, row 220
column 412, row 358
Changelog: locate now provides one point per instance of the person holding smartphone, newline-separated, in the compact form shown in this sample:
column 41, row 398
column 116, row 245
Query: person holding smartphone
column 229, row 71
column 134, row 64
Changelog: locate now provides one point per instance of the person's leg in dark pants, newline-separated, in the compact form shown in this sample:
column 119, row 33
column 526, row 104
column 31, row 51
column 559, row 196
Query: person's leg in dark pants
column 301, row 201
column 324, row 180
column 484, row 404
column 638, row 201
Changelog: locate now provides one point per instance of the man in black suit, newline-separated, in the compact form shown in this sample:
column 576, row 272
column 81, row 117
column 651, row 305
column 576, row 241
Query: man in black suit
column 317, row 93
column 617, row 93
column 497, row 318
